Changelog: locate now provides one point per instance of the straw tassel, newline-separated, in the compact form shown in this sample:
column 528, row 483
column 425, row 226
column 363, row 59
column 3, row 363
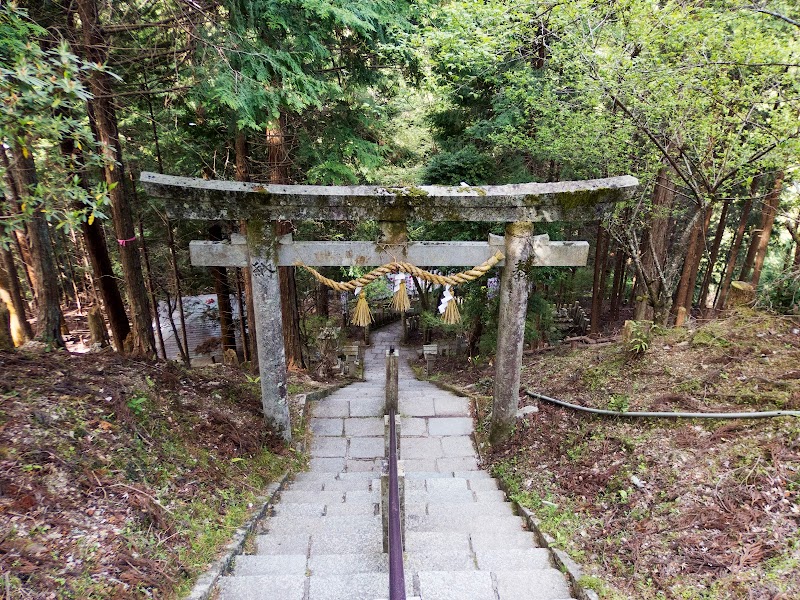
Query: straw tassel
column 451, row 314
column 361, row 315
column 400, row 301
column 448, row 307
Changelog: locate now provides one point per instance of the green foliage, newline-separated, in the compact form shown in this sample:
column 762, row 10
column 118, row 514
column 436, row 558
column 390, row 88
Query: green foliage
column 43, row 97
column 619, row 402
column 466, row 164
column 640, row 337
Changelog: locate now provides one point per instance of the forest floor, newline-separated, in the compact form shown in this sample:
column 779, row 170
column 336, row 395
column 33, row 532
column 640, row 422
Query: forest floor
column 663, row 508
column 122, row 478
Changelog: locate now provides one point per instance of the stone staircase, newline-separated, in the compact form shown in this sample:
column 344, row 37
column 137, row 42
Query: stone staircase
column 324, row 538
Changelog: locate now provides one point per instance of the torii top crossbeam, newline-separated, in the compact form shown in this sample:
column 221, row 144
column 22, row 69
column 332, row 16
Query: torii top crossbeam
column 193, row 198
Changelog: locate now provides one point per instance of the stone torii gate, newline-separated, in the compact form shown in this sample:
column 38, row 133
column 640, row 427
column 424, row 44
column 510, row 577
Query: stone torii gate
column 262, row 206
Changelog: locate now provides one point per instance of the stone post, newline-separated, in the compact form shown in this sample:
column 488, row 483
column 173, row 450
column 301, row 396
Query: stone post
column 398, row 429
column 511, row 329
column 392, row 369
column 262, row 246
column 401, row 486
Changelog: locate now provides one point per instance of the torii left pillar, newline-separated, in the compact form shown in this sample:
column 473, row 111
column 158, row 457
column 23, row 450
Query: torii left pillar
column 262, row 245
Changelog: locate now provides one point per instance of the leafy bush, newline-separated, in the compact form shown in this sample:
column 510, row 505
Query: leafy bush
column 467, row 164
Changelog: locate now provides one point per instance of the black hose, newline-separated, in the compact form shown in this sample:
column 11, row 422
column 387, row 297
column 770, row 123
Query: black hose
column 668, row 415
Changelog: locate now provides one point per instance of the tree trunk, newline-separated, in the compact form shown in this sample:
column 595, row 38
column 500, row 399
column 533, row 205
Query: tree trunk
column 733, row 255
column 794, row 230
column 654, row 246
column 176, row 277
column 322, row 301
column 11, row 295
column 277, row 163
column 48, row 320
column 151, row 289
column 697, row 257
column 598, row 285
column 223, row 291
column 243, row 174
column 684, row 295
column 20, row 237
column 618, row 286
column 771, row 204
column 95, row 241
column 141, row 337
column 712, row 258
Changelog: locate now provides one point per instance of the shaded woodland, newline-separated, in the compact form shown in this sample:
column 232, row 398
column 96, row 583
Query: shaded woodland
column 699, row 100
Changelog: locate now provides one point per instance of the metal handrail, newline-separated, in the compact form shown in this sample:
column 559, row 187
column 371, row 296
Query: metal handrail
column 397, row 577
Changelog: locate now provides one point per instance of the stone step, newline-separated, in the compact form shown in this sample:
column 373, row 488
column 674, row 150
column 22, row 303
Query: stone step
column 329, row 524
column 260, row 565
column 283, row 544
column 342, row 564
column 540, row 584
column 544, row 584
column 471, row 510
column 438, row 561
column 469, row 474
column 306, row 509
column 482, row 541
column 304, row 497
column 366, row 542
column 515, row 559
column 456, row 522
column 354, row 586
column 274, row 587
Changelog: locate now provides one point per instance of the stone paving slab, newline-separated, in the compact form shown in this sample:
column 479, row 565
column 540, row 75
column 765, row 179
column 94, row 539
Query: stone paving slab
column 283, row 544
column 447, row 485
column 458, row 445
column 367, row 426
column 339, row 564
column 355, row 586
column 487, row 541
column 458, row 522
column 366, row 447
column 461, row 463
column 450, row 426
column 370, row 541
column 367, row 407
column 451, row 406
column 366, row 466
column 281, row 587
column 327, row 524
column 299, row 509
column 333, row 427
column 437, row 541
column 328, row 465
column 519, row 559
column 544, row 584
column 422, row 448
column 439, row 561
column 459, row 585
column 331, row 407
column 472, row 509
column 415, row 407
column 301, row 497
column 281, row 564
column 328, row 447
column 347, row 485
column 350, row 508
column 413, row 427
